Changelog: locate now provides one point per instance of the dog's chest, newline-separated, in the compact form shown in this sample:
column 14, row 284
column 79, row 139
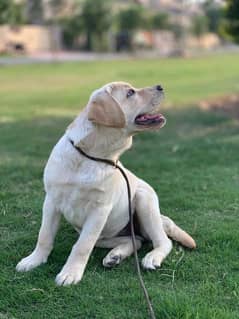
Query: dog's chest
column 77, row 187
column 77, row 202
column 80, row 192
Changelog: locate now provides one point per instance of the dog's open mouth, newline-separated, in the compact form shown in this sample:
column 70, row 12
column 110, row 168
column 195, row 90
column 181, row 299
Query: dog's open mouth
column 150, row 120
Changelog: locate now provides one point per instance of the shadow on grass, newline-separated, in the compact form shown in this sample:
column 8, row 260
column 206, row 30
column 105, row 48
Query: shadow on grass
column 193, row 165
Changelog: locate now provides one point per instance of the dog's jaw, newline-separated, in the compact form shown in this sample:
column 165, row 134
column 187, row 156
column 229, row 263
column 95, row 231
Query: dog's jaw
column 97, row 140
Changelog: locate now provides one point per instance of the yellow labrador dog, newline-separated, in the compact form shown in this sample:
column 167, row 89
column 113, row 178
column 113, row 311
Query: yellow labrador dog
column 93, row 196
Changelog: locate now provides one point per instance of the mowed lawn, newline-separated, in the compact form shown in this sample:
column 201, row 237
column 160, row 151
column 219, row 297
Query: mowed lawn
column 193, row 164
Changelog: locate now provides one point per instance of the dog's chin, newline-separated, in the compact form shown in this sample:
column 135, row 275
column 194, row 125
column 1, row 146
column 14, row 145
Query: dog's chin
column 147, row 121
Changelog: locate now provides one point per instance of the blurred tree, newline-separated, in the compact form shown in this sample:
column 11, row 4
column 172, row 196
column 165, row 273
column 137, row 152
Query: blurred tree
column 232, row 16
column 34, row 11
column 17, row 16
column 130, row 19
column 11, row 12
column 96, row 20
column 4, row 11
column 160, row 21
column 214, row 13
column 72, row 28
column 178, row 30
column 199, row 25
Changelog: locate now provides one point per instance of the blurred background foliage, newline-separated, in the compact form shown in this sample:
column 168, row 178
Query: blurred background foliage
column 91, row 21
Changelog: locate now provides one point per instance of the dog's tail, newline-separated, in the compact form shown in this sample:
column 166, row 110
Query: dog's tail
column 176, row 233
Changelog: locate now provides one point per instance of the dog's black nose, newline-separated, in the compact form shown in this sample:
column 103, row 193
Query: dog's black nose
column 159, row 88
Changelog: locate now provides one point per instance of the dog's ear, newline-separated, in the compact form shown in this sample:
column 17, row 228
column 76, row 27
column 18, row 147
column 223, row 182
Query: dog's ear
column 105, row 110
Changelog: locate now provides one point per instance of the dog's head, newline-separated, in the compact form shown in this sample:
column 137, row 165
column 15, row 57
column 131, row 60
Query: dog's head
column 122, row 106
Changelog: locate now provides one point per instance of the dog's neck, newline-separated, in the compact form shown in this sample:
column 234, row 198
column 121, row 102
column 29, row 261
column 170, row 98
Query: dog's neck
column 97, row 140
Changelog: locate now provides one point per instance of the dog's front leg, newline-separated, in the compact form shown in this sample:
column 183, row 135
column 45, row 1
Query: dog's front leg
column 50, row 224
column 73, row 270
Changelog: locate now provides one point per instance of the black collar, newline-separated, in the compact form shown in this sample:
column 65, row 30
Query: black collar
column 97, row 159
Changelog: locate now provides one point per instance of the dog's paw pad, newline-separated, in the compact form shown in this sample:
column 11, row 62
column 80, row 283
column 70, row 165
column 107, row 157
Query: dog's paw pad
column 111, row 261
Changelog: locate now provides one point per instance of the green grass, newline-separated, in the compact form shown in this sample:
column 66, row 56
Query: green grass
column 193, row 163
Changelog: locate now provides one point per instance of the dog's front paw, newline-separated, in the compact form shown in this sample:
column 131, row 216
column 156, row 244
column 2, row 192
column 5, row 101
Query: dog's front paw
column 68, row 276
column 152, row 260
column 30, row 262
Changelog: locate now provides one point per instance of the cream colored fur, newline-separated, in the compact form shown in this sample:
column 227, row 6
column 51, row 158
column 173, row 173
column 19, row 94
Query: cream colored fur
column 92, row 196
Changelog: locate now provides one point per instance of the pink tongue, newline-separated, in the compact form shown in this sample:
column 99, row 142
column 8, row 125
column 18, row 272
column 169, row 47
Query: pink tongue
column 150, row 117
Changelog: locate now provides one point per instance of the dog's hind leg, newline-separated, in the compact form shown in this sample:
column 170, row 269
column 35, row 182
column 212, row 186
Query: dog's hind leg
column 47, row 233
column 122, row 248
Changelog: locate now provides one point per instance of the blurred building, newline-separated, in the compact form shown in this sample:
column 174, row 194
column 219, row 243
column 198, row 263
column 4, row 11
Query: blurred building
column 44, row 35
column 29, row 39
column 179, row 11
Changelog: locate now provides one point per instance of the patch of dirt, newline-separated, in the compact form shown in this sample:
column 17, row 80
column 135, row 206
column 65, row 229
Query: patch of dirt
column 228, row 104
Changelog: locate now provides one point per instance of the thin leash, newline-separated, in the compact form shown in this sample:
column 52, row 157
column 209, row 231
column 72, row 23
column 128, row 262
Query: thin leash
column 114, row 164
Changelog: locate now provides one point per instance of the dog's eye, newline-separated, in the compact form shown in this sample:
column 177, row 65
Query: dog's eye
column 130, row 93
